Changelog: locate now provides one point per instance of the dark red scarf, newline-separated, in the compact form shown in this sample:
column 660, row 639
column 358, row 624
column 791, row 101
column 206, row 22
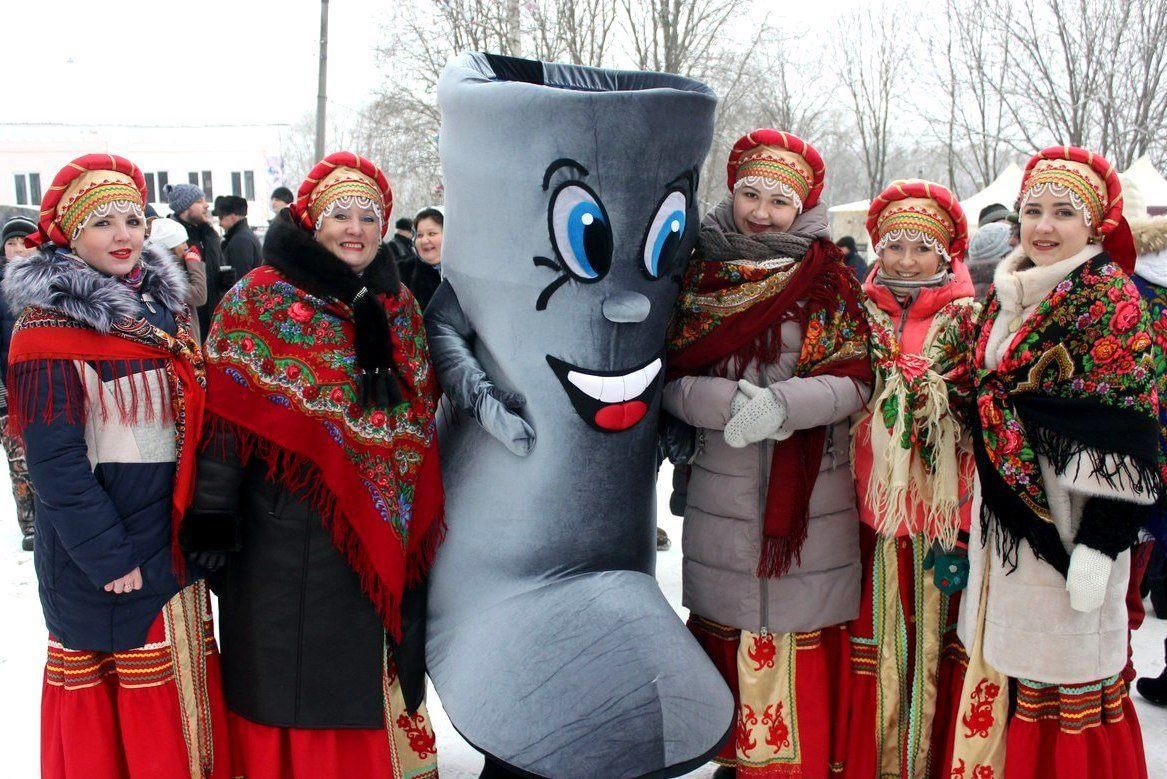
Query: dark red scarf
column 732, row 313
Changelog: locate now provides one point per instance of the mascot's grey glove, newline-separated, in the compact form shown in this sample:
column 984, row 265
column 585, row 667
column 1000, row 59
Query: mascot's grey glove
column 1087, row 577
column 451, row 340
column 759, row 418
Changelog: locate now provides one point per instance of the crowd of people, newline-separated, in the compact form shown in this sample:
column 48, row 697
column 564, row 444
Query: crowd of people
column 918, row 496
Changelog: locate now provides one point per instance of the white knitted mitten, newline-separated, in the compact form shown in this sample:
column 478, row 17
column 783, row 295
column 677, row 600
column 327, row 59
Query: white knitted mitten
column 1086, row 580
column 760, row 418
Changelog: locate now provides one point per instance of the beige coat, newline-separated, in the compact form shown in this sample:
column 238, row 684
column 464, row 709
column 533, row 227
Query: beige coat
column 722, row 537
column 1030, row 630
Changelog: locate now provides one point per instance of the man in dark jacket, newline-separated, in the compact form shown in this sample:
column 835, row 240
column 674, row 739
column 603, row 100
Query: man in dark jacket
column 854, row 260
column 241, row 248
column 401, row 247
column 190, row 209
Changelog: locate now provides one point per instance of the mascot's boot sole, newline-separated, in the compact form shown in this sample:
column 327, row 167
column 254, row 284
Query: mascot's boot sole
column 620, row 686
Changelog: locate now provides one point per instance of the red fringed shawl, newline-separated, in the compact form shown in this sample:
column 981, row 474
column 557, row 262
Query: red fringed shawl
column 130, row 349
column 281, row 369
column 733, row 312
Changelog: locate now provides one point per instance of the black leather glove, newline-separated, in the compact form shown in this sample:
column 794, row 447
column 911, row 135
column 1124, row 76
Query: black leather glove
column 409, row 654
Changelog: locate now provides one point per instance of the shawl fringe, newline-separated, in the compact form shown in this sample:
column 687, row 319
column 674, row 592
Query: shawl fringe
column 300, row 475
column 133, row 401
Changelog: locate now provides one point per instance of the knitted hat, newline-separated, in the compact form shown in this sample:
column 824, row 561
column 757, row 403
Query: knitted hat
column 776, row 158
column 915, row 209
column 991, row 242
column 17, row 227
column 343, row 179
column 182, row 196
column 167, row 233
column 93, row 185
column 1093, row 188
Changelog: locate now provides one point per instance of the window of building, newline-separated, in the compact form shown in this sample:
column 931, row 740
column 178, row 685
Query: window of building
column 193, row 178
column 151, row 192
column 236, row 183
column 28, row 188
column 249, row 184
column 163, row 180
column 208, row 190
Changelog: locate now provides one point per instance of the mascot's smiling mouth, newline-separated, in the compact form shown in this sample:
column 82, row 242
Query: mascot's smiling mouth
column 609, row 401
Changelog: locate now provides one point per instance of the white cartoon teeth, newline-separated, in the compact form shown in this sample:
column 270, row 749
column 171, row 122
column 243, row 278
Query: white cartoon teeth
column 616, row 389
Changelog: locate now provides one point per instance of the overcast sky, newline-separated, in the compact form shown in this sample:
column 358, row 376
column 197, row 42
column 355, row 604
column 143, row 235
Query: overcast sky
column 214, row 61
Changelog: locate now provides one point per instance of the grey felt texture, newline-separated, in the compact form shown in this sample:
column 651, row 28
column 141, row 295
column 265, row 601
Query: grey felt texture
column 549, row 641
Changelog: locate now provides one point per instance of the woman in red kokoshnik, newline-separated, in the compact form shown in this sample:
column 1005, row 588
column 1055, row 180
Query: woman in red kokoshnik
column 768, row 358
column 914, row 474
column 320, row 480
column 1068, row 460
column 106, row 387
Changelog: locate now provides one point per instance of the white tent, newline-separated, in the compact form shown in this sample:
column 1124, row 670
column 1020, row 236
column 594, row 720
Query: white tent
column 1150, row 183
column 849, row 219
column 1003, row 190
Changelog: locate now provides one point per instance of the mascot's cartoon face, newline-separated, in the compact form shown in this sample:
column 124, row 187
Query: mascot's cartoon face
column 570, row 216
column 585, row 250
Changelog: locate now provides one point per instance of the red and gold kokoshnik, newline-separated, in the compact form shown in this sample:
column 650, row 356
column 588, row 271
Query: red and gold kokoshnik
column 1089, row 177
column 95, row 195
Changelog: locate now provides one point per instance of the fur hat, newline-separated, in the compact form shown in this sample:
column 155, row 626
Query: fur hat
column 781, row 158
column 90, row 185
column 912, row 208
column 229, row 205
column 341, row 179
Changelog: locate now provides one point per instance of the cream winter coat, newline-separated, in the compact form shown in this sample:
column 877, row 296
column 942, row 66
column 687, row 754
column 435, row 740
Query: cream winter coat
column 1030, row 630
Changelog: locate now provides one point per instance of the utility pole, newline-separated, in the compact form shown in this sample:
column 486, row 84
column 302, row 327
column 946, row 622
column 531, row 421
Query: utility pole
column 322, row 85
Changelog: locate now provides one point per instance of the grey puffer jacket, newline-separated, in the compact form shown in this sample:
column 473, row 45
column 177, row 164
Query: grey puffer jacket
column 722, row 537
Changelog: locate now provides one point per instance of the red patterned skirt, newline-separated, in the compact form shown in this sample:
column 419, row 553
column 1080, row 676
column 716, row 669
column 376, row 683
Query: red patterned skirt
column 784, row 687
column 155, row 712
column 404, row 749
column 1078, row 731
column 896, row 672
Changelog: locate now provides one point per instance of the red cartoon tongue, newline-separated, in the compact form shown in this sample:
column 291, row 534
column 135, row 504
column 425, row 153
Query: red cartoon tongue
column 621, row 416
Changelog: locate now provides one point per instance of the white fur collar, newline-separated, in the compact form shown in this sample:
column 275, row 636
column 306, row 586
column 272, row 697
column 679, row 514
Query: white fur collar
column 47, row 279
column 1020, row 287
column 1153, row 267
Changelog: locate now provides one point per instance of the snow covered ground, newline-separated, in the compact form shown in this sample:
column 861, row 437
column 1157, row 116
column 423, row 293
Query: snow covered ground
column 22, row 656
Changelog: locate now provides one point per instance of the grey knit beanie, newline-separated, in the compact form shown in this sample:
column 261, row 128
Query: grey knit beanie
column 182, row 196
column 18, row 226
column 991, row 242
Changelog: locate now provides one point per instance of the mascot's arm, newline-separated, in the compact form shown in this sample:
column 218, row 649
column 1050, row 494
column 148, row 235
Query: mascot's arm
column 465, row 382
column 701, row 401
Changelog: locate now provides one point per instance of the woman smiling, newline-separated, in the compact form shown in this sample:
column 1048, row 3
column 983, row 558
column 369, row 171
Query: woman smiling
column 1067, row 453
column 320, row 491
column 106, row 384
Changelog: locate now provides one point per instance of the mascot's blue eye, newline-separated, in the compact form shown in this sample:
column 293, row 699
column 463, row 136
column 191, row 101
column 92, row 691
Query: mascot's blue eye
column 664, row 234
column 580, row 232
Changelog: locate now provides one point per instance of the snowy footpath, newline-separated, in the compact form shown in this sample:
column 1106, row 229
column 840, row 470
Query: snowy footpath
column 22, row 656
